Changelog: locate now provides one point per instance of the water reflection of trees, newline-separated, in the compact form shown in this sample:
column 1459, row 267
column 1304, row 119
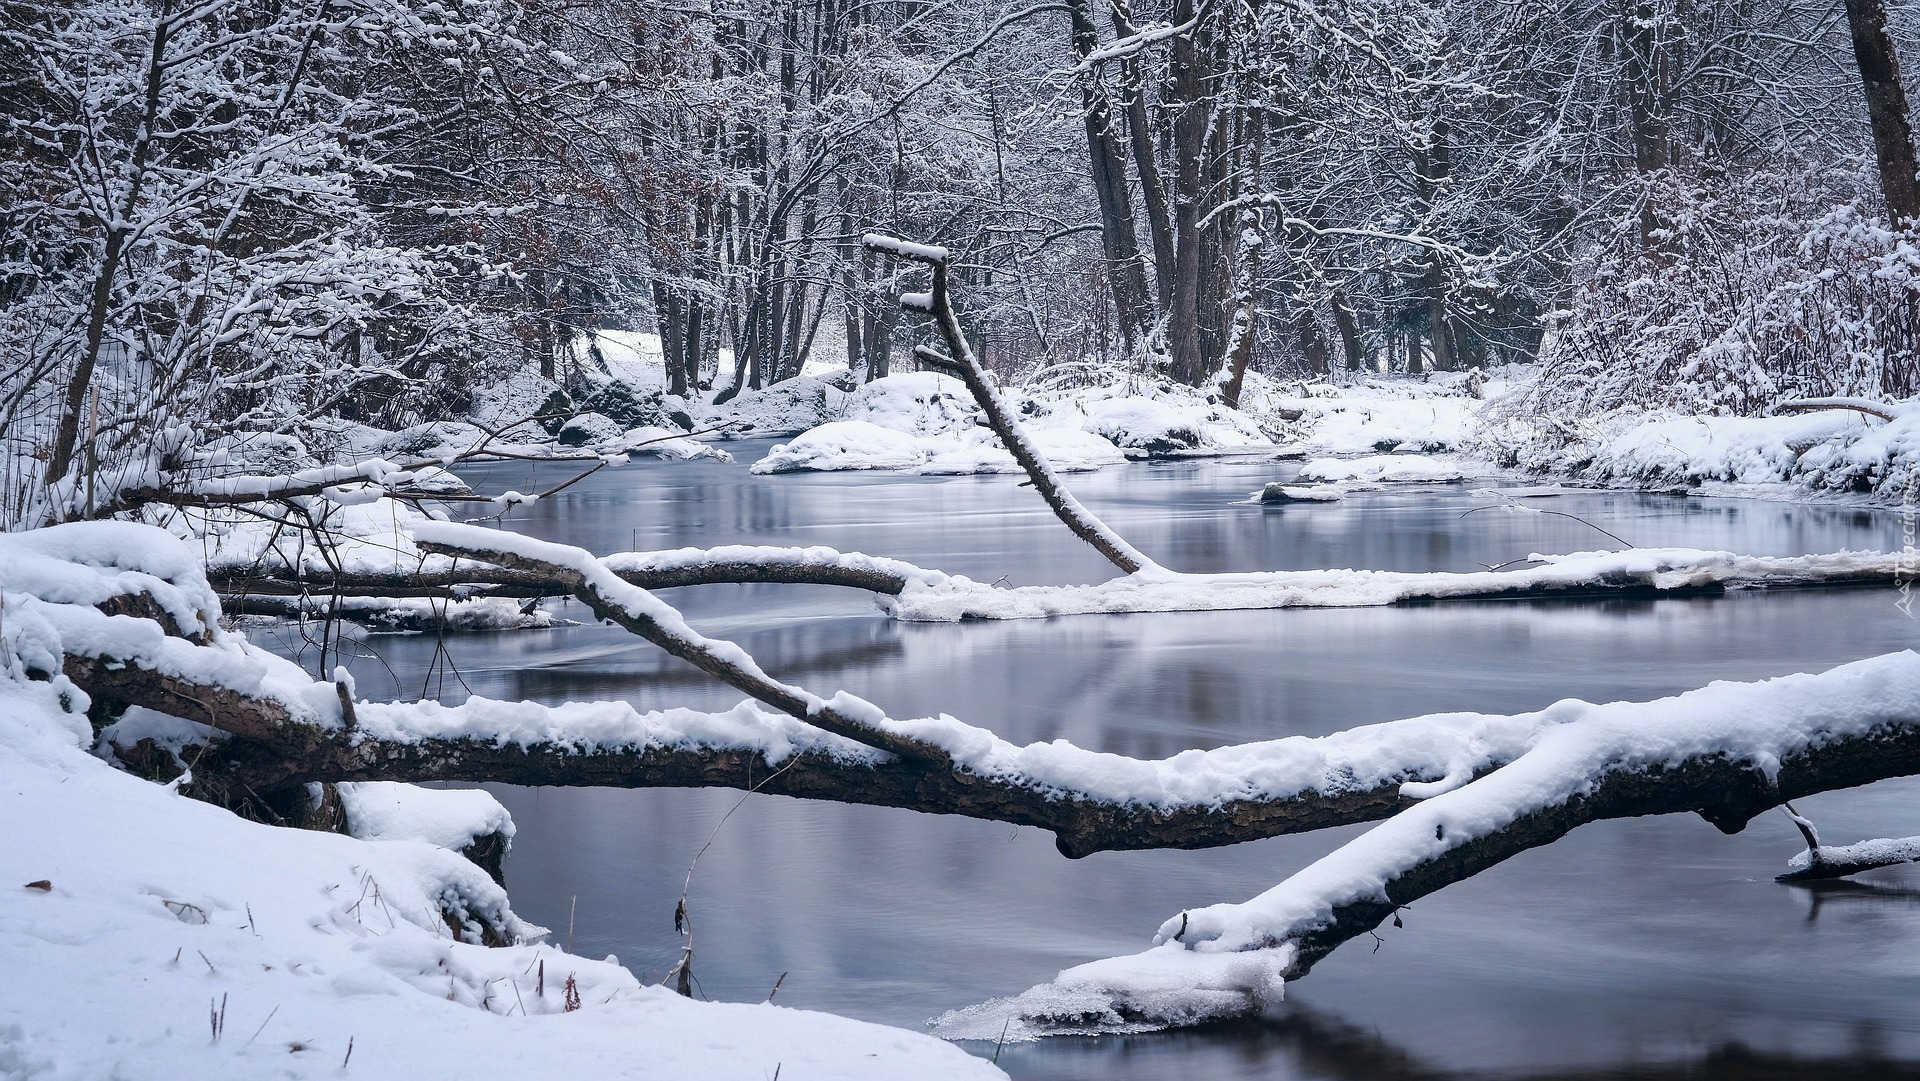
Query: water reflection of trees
column 1302, row 1043
column 1850, row 893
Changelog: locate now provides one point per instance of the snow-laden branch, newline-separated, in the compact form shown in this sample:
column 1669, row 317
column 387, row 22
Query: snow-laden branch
column 1872, row 408
column 726, row 564
column 1121, row 48
column 1840, row 861
column 959, row 358
column 612, row 598
column 1725, row 752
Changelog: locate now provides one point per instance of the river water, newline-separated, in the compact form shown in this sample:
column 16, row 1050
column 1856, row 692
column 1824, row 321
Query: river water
column 1652, row 948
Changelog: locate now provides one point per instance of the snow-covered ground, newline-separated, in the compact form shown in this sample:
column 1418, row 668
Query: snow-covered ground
column 924, row 422
column 1818, row 453
column 1355, row 429
column 147, row 934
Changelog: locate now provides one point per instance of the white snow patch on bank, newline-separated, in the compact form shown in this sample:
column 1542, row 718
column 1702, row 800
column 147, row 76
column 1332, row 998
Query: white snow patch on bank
column 450, row 818
column 129, row 914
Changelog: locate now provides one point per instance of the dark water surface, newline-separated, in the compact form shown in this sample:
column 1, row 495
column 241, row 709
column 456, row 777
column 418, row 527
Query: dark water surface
column 1653, row 948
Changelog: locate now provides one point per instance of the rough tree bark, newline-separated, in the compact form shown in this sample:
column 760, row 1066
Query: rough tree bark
column 1887, row 111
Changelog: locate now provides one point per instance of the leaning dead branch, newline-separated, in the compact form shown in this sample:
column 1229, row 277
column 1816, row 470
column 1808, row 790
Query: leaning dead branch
column 959, row 360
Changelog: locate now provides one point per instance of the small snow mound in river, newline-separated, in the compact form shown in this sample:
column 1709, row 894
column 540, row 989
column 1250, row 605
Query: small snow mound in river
column 1283, row 493
column 858, row 444
column 1381, row 469
column 1165, row 987
column 655, row 442
column 844, row 444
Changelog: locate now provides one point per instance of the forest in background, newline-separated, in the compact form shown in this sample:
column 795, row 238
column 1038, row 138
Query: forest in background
column 238, row 215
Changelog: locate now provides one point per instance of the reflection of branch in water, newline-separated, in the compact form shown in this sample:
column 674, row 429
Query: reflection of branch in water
column 1300, row 1041
column 1823, row 892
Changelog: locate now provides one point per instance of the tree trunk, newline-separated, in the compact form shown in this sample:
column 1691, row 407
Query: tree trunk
column 1886, row 108
column 1126, row 276
column 1187, row 93
column 1153, row 191
column 1343, row 322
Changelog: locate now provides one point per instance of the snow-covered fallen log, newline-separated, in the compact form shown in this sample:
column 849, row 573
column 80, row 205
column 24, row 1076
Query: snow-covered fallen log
column 289, row 733
column 727, row 564
column 1642, row 571
column 1840, row 861
column 294, row 730
column 1725, row 752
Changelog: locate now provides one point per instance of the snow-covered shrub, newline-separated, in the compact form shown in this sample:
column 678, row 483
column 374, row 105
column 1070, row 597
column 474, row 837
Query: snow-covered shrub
column 1772, row 285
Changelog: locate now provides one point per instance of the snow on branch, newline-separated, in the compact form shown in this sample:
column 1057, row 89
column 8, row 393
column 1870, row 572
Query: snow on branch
column 1652, row 571
column 612, row 598
column 726, row 564
column 1839, row 861
column 1725, row 752
column 1006, row 426
column 1121, row 48
column 1883, row 410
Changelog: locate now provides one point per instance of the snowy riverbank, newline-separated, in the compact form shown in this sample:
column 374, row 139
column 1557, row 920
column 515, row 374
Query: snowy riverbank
column 148, row 934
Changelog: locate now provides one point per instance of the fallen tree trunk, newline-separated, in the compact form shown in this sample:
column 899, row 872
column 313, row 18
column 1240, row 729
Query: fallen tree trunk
column 734, row 564
column 277, row 747
column 1725, row 752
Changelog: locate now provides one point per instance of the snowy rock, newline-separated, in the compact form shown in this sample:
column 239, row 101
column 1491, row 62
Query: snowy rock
column 588, row 430
column 1281, row 493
